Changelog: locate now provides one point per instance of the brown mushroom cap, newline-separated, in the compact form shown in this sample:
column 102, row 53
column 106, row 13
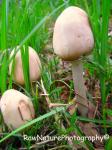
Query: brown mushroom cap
column 16, row 108
column 34, row 66
column 72, row 36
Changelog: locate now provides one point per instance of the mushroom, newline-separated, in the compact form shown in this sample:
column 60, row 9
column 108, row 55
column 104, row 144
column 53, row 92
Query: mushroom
column 17, row 109
column 34, row 66
column 73, row 38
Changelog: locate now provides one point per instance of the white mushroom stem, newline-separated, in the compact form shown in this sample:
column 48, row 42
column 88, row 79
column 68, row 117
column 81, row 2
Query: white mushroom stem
column 80, row 90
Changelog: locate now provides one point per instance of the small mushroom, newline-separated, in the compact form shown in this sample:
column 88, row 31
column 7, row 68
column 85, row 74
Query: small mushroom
column 17, row 109
column 73, row 38
column 34, row 66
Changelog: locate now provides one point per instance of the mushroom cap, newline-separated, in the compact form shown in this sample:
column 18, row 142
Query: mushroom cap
column 72, row 35
column 34, row 66
column 16, row 108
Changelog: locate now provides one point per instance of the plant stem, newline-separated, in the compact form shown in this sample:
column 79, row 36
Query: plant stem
column 80, row 90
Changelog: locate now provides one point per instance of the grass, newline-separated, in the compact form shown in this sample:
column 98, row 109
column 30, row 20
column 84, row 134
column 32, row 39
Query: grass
column 4, row 25
column 101, row 55
column 30, row 23
column 33, row 122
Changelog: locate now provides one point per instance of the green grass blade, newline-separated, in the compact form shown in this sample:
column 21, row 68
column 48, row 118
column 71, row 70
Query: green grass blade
column 104, row 40
column 4, row 25
column 94, row 121
column 51, row 113
column 3, row 69
column 106, row 5
column 25, row 65
column 108, row 144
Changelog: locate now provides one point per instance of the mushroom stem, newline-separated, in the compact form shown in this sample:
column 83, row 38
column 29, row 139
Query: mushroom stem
column 80, row 90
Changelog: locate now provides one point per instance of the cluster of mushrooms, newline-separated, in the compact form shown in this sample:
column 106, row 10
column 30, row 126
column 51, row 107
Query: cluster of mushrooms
column 16, row 107
column 72, row 39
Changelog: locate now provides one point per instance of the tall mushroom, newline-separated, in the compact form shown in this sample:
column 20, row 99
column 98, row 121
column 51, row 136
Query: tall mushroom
column 73, row 38
column 34, row 66
column 17, row 109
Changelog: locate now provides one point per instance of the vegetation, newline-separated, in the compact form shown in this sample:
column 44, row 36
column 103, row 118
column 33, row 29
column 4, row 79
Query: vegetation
column 30, row 23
